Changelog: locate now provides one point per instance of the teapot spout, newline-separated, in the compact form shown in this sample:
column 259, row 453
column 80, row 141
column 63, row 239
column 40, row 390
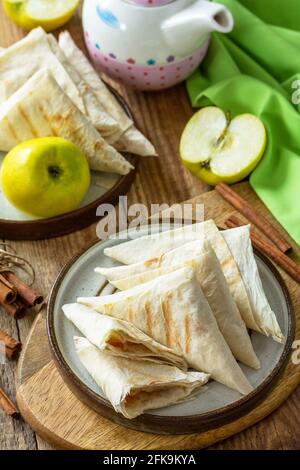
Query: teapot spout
column 189, row 29
column 219, row 18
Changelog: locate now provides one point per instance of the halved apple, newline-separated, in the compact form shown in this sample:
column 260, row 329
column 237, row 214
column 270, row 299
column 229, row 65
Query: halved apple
column 50, row 14
column 218, row 149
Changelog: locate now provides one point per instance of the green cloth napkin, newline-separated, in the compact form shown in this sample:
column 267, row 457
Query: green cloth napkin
column 254, row 69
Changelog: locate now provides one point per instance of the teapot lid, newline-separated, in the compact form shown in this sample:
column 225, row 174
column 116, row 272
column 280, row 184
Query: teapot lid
column 150, row 3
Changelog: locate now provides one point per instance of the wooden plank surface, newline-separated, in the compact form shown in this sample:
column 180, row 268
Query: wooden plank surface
column 162, row 117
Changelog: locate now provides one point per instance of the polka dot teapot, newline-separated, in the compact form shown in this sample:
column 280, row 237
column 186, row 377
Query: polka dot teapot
column 151, row 44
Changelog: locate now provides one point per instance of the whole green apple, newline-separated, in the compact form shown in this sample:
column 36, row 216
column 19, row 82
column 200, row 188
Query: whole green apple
column 45, row 177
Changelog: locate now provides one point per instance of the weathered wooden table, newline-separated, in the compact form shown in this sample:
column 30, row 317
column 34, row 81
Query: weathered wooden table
column 162, row 117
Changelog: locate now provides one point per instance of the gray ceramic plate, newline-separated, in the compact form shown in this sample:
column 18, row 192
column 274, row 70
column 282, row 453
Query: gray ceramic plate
column 215, row 404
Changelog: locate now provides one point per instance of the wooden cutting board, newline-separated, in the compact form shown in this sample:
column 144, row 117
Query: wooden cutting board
column 59, row 417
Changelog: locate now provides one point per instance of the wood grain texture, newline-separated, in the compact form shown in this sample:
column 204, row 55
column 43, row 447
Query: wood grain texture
column 55, row 413
column 162, row 117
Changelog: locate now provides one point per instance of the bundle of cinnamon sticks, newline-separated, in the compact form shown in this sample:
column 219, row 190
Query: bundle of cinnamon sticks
column 273, row 245
column 16, row 296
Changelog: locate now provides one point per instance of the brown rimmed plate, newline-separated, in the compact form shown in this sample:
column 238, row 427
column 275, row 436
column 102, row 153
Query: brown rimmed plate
column 104, row 189
column 215, row 404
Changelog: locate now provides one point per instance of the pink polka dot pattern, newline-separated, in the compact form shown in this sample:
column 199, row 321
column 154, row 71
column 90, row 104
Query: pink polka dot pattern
column 147, row 77
column 151, row 3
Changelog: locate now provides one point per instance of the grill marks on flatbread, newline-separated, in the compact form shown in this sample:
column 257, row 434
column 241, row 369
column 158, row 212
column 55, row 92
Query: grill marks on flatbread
column 27, row 120
column 130, row 315
column 31, row 113
column 93, row 108
column 11, row 129
column 39, row 50
column 89, row 76
column 187, row 332
column 19, row 62
column 149, row 318
column 140, row 250
column 119, row 337
column 153, row 262
column 234, row 251
column 168, row 320
column 82, row 85
column 172, row 298
column 126, row 137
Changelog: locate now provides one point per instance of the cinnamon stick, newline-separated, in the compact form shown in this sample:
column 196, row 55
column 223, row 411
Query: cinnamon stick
column 8, row 406
column 287, row 264
column 253, row 216
column 10, row 354
column 11, row 346
column 16, row 310
column 8, row 293
column 26, row 293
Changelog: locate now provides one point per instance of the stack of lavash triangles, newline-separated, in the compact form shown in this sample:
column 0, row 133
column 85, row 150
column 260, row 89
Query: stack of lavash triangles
column 186, row 300
column 49, row 88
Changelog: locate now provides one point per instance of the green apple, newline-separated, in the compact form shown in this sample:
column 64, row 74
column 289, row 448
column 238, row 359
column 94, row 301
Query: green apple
column 218, row 149
column 50, row 14
column 45, row 177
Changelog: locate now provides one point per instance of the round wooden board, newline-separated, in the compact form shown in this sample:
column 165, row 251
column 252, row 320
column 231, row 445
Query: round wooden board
column 58, row 416
column 78, row 219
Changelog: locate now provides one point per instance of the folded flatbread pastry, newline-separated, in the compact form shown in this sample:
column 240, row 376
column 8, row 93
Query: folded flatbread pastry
column 39, row 50
column 173, row 310
column 133, row 141
column 40, row 108
column 239, row 242
column 120, row 337
column 126, row 138
column 26, row 57
column 150, row 249
column 133, row 387
column 84, row 68
column 213, row 283
column 104, row 123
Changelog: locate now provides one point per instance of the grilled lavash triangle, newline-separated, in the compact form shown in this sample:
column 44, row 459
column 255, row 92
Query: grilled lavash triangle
column 120, row 337
column 133, row 387
column 104, row 123
column 126, row 138
column 151, row 248
column 173, row 257
column 87, row 72
column 41, row 109
column 133, row 141
column 239, row 242
column 24, row 58
column 173, row 310
column 213, row 284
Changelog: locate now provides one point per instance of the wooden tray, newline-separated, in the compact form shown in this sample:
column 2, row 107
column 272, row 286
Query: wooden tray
column 59, row 417
column 78, row 219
